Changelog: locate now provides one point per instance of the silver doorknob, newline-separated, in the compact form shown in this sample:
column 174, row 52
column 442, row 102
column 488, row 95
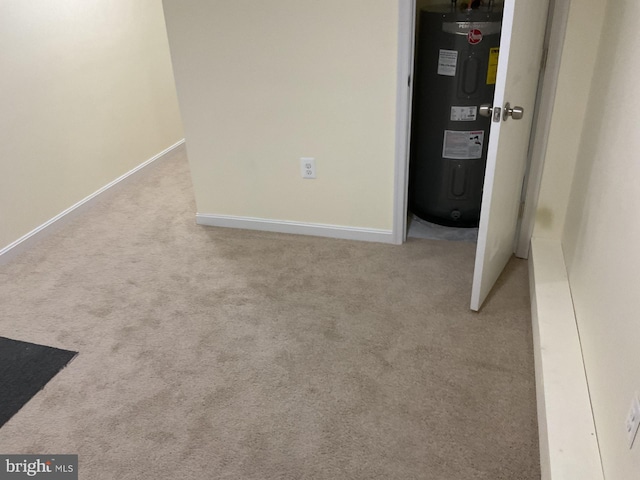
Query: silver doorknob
column 485, row 110
column 516, row 112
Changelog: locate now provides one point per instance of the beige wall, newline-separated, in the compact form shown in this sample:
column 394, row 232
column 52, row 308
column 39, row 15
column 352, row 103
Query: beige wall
column 601, row 239
column 590, row 201
column 87, row 94
column 571, row 104
column 262, row 84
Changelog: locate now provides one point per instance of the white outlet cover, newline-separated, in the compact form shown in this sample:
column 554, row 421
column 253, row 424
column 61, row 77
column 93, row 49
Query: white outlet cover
column 308, row 167
column 633, row 420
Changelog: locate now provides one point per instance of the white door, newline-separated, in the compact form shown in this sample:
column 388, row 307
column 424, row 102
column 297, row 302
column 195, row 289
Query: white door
column 521, row 41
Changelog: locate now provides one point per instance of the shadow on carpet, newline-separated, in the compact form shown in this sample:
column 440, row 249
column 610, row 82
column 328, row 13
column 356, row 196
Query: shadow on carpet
column 25, row 368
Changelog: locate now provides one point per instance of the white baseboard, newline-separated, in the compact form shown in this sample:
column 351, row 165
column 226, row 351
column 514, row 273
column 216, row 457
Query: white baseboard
column 26, row 241
column 298, row 228
column 568, row 441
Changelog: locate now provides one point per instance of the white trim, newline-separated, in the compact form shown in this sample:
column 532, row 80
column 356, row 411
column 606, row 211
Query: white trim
column 559, row 16
column 406, row 40
column 298, row 228
column 568, row 441
column 26, row 241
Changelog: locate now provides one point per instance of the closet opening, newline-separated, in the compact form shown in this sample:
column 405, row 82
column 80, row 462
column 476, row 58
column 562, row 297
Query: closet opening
column 457, row 45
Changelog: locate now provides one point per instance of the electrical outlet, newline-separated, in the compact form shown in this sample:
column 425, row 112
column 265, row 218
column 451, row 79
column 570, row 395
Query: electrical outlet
column 633, row 420
column 308, row 167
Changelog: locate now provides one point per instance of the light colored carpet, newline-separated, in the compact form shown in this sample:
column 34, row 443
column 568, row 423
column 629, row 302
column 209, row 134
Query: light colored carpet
column 222, row 354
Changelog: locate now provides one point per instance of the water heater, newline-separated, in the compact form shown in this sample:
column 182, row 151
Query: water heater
column 456, row 65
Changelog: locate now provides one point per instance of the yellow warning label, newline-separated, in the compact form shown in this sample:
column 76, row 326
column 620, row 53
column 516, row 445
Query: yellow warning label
column 492, row 71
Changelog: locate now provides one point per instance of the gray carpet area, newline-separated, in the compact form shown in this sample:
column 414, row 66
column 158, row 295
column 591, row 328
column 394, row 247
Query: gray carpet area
column 222, row 354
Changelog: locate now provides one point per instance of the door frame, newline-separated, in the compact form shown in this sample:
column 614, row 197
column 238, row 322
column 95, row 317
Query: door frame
column 556, row 26
column 404, row 98
column 554, row 44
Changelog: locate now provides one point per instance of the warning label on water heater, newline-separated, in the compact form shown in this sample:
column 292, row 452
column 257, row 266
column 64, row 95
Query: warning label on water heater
column 492, row 69
column 464, row 114
column 462, row 145
column 447, row 62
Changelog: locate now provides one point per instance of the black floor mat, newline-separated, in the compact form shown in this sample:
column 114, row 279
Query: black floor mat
column 25, row 368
